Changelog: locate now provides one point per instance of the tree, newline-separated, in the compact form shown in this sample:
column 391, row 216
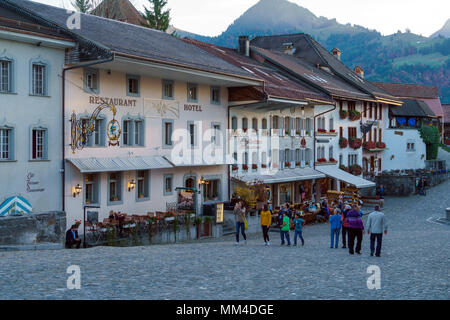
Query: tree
column 84, row 6
column 157, row 18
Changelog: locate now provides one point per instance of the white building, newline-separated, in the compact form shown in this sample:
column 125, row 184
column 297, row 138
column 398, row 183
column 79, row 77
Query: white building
column 31, row 59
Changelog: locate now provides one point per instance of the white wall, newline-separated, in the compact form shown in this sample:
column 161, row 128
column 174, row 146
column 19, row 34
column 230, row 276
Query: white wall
column 396, row 146
column 23, row 111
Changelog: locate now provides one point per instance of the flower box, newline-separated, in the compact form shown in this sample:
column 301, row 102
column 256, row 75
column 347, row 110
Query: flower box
column 356, row 170
column 354, row 115
column 343, row 143
column 264, row 166
column 254, row 166
column 234, row 168
column 321, row 160
column 321, row 130
column 244, row 167
column 343, row 114
column 381, row 145
column 344, row 168
column 287, row 164
column 332, row 160
column 369, row 145
column 297, row 164
column 355, row 143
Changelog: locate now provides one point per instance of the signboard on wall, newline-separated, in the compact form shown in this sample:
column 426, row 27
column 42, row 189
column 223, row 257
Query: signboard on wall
column 186, row 200
column 219, row 213
column 164, row 109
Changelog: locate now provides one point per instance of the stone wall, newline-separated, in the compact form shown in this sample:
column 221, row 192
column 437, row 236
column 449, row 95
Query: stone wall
column 405, row 185
column 33, row 228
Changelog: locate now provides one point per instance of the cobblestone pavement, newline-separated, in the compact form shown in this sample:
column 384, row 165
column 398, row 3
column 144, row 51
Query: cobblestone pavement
column 414, row 265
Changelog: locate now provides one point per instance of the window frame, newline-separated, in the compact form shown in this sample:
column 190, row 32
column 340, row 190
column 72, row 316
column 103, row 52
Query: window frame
column 10, row 143
column 189, row 86
column 11, row 74
column 218, row 102
column 46, row 76
column 119, row 188
column 138, row 79
column 86, row 72
column 164, row 144
column 168, row 82
column 45, row 156
column 165, row 177
column 147, row 184
column 96, row 185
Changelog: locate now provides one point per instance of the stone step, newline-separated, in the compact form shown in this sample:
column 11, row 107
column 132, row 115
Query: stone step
column 28, row 247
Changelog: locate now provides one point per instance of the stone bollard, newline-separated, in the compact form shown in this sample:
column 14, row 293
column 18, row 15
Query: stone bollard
column 447, row 212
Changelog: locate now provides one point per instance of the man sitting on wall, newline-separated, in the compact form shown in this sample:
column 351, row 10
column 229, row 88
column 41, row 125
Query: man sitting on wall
column 72, row 238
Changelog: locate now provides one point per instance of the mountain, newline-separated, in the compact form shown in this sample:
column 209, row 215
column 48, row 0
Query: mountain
column 444, row 31
column 400, row 57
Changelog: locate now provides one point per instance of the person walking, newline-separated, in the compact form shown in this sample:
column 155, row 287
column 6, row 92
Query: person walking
column 266, row 221
column 335, row 227
column 239, row 217
column 346, row 210
column 298, row 229
column 285, row 229
column 376, row 224
column 355, row 230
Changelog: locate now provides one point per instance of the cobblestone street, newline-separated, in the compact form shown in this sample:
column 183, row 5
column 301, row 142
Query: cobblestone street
column 414, row 265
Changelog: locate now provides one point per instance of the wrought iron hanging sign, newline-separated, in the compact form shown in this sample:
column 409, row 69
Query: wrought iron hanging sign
column 82, row 129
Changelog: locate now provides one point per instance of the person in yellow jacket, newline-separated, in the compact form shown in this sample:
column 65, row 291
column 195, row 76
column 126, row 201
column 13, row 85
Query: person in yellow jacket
column 266, row 221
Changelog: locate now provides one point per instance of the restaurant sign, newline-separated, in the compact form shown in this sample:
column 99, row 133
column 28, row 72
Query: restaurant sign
column 118, row 102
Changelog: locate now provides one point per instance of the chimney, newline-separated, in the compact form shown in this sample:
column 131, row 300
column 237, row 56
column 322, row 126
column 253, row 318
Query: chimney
column 244, row 46
column 337, row 53
column 288, row 48
column 359, row 71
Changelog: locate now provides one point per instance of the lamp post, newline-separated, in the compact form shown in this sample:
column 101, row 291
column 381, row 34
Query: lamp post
column 84, row 223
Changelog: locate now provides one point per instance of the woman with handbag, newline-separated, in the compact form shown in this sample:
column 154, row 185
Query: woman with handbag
column 241, row 221
column 266, row 221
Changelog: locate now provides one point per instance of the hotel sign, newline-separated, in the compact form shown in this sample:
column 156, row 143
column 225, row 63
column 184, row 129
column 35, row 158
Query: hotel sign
column 193, row 108
column 118, row 102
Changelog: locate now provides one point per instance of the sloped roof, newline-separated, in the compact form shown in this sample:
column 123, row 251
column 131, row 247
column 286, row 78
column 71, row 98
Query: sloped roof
column 312, row 52
column 276, row 83
column 413, row 108
column 317, row 77
column 121, row 10
column 140, row 42
column 10, row 19
column 403, row 90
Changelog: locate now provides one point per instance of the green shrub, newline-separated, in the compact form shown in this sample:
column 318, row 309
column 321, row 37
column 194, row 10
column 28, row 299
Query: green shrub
column 430, row 136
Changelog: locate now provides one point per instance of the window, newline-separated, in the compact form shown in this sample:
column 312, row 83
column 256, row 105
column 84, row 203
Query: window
column 330, row 152
column 341, row 160
column 97, row 139
column 91, row 81
column 410, row 146
column 39, row 144
column 287, row 123
column 168, row 184
column 127, row 127
column 143, row 185
column 215, row 95
column 167, row 133
column 255, row 124
column 370, row 110
column 264, row 124
column 297, row 155
column 6, row 76
column 287, row 155
column 351, row 132
column 275, row 122
column 309, row 124
column 115, row 187
column 234, row 123
column 352, row 159
column 331, row 123
column 379, row 164
column 351, row 105
column 244, row 123
column 38, row 79
column 133, row 86
column 380, row 108
column 192, row 134
column 138, row 133
column 380, row 135
column 365, row 109
column 254, row 157
column 375, row 134
column 341, row 132
column 91, row 189
column 264, row 158
column 215, row 137
column 168, row 89
column 6, row 144
column 376, row 111
column 192, row 92
column 211, row 190
column 245, row 160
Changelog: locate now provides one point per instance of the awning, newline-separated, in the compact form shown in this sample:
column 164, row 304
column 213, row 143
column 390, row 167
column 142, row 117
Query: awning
column 336, row 173
column 198, row 160
column 280, row 176
column 87, row 165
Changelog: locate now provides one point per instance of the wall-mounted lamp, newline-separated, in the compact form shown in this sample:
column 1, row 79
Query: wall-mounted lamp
column 202, row 181
column 131, row 185
column 76, row 190
column 392, row 157
column 423, row 156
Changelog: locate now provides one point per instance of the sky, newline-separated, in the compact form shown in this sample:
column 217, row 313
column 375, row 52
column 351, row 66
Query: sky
column 212, row 17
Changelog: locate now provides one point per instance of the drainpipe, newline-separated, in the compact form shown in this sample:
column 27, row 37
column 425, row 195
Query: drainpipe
column 228, row 143
column 320, row 114
column 63, row 120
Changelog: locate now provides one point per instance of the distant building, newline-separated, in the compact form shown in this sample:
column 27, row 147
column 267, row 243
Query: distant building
column 446, row 108
column 120, row 10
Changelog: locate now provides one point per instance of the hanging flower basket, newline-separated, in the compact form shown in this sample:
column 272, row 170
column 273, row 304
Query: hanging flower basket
column 355, row 143
column 354, row 115
column 343, row 114
column 343, row 143
column 369, row 145
column 381, row 145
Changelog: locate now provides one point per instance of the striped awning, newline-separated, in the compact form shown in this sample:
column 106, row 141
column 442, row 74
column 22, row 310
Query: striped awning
column 15, row 205
column 92, row 165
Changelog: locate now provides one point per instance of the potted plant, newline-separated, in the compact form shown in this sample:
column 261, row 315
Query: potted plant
column 332, row 131
column 369, row 145
column 245, row 167
column 381, row 145
column 355, row 143
column 321, row 160
column 297, row 132
column 287, row 164
column 254, row 166
column 343, row 143
column 297, row 163
column 354, row 115
column 207, row 224
column 343, row 114
column 234, row 167
column 141, row 195
column 264, row 166
column 332, row 159
column 198, row 224
column 356, row 170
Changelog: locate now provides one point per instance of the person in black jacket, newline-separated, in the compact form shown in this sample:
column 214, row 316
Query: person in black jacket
column 346, row 210
column 72, row 238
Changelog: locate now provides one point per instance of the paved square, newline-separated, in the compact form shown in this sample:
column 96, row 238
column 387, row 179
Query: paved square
column 414, row 265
